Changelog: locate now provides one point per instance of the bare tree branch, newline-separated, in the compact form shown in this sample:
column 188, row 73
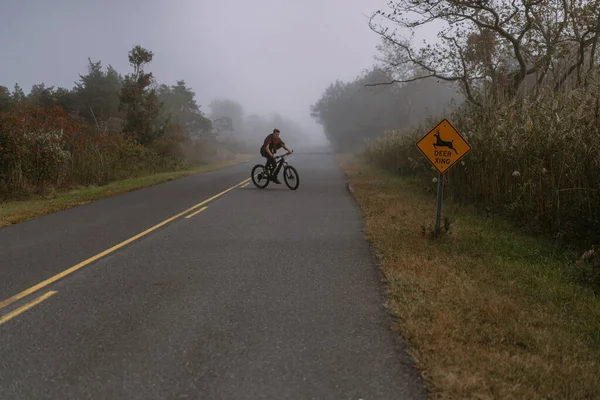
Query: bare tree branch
column 595, row 40
column 584, row 43
column 480, row 14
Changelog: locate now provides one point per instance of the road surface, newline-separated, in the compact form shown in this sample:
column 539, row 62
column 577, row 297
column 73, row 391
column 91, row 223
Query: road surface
column 259, row 294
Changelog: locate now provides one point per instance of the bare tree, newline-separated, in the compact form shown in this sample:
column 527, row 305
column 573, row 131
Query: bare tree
column 490, row 44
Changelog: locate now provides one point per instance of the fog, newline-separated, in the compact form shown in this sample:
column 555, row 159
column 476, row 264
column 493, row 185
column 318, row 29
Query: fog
column 270, row 56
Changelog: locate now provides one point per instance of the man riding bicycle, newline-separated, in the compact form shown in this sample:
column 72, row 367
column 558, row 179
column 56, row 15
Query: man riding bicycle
column 271, row 144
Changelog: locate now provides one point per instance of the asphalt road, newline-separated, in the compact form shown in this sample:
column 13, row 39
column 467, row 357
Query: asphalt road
column 265, row 294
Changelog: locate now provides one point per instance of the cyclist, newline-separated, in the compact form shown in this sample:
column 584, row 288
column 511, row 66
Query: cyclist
column 271, row 144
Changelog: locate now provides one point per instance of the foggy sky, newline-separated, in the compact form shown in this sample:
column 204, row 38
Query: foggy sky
column 270, row 55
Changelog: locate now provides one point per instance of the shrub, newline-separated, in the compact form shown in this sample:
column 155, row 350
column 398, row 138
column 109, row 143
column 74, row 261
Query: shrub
column 45, row 148
column 535, row 160
column 32, row 147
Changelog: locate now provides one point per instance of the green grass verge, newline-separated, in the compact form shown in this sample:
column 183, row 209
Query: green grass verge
column 13, row 212
column 488, row 311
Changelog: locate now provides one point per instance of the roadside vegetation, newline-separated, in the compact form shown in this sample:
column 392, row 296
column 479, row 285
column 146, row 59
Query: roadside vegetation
column 505, row 305
column 15, row 211
column 488, row 312
column 58, row 144
column 520, row 82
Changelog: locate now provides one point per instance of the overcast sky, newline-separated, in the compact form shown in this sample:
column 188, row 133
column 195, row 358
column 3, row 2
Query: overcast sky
column 270, row 55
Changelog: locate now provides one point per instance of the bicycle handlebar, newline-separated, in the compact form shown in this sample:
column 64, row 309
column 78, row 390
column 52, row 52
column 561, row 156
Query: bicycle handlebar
column 283, row 155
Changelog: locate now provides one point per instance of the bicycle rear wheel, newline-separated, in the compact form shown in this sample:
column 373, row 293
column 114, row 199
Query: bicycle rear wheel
column 259, row 176
column 291, row 178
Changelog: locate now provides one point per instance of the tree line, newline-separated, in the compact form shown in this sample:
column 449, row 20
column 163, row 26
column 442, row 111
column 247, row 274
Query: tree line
column 111, row 126
column 354, row 112
column 133, row 104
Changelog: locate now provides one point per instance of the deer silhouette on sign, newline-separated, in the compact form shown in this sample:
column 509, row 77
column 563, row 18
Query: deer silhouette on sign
column 442, row 143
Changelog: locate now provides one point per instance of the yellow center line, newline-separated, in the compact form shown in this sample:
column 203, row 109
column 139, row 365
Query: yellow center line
column 244, row 185
column 26, row 307
column 82, row 264
column 197, row 212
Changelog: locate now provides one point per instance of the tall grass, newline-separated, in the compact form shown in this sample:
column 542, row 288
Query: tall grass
column 536, row 160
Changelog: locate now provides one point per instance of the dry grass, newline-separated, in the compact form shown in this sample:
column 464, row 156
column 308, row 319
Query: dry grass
column 12, row 212
column 489, row 313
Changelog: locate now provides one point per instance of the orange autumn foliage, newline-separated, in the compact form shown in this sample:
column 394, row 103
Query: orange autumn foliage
column 43, row 148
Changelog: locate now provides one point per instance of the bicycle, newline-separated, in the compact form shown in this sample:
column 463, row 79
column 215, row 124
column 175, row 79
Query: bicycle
column 290, row 175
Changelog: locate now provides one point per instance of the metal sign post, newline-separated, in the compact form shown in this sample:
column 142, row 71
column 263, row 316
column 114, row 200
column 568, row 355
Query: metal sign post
column 438, row 212
column 443, row 146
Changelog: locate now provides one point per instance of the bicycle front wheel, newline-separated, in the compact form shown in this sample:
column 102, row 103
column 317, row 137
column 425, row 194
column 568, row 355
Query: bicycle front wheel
column 291, row 178
column 259, row 176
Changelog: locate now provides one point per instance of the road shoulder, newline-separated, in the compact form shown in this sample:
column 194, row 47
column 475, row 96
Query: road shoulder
column 14, row 212
column 486, row 310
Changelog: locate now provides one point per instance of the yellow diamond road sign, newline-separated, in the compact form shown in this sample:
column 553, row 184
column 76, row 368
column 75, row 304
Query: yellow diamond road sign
column 443, row 146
